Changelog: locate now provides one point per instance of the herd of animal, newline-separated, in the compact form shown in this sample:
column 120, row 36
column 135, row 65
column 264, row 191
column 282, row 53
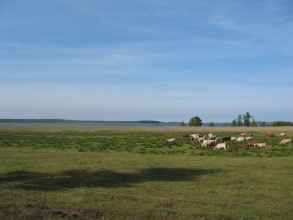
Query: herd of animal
column 218, row 143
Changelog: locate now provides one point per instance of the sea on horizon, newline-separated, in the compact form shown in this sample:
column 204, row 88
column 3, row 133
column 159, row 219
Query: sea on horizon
column 114, row 124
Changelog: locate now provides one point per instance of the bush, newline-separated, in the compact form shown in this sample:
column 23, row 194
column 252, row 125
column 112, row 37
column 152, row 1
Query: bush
column 282, row 123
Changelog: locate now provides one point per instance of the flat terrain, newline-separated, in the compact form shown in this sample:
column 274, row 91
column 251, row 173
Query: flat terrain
column 54, row 127
column 129, row 173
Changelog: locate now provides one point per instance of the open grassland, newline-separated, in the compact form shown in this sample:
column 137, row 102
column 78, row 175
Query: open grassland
column 135, row 175
column 55, row 127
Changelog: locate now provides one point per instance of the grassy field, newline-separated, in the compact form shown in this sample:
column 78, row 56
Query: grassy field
column 133, row 174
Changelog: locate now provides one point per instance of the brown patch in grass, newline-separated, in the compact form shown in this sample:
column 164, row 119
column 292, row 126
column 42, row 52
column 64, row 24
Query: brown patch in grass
column 61, row 212
column 146, row 128
column 167, row 204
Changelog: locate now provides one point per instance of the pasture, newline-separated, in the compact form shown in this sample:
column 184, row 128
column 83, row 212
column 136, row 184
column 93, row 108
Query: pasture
column 134, row 174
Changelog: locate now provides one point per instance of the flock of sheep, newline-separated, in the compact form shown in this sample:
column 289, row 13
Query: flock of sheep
column 212, row 140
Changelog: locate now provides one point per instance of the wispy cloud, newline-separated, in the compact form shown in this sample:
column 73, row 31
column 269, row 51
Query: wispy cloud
column 260, row 23
column 156, row 59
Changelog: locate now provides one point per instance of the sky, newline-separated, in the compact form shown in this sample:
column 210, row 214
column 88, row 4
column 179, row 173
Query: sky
column 166, row 60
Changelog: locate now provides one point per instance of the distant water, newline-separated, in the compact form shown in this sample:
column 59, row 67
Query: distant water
column 101, row 124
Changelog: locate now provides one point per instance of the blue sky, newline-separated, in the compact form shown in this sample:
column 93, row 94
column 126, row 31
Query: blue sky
column 166, row 60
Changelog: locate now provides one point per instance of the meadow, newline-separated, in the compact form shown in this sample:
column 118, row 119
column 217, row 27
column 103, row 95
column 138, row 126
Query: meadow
column 130, row 173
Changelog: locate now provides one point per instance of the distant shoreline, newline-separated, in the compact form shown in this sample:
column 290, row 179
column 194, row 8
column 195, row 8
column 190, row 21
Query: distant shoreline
column 61, row 122
column 71, row 121
column 32, row 122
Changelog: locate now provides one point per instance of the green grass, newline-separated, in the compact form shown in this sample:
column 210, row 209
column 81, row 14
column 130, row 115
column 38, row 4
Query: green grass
column 135, row 175
column 136, row 142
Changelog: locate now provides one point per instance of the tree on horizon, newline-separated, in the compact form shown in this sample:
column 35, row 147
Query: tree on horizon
column 246, row 119
column 239, row 121
column 195, row 121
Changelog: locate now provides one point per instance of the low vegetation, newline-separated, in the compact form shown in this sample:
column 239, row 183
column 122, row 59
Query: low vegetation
column 136, row 175
column 282, row 123
column 137, row 142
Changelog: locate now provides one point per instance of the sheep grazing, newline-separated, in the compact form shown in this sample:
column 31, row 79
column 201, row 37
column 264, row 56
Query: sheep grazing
column 248, row 138
column 261, row 145
column 220, row 146
column 194, row 136
column 242, row 135
column 202, row 138
column 212, row 137
column 251, row 144
column 286, row 142
column 240, row 139
column 171, row 141
column 269, row 135
column 207, row 143
column 283, row 134
column 233, row 138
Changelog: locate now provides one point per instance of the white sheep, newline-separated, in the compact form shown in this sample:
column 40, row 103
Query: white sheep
column 220, row 146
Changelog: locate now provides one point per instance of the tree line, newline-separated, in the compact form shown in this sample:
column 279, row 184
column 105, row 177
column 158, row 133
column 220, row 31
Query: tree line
column 245, row 120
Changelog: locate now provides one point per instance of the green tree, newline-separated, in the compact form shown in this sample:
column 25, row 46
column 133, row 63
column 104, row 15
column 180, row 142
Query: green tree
column 211, row 124
column 195, row 121
column 246, row 119
column 234, row 123
column 239, row 121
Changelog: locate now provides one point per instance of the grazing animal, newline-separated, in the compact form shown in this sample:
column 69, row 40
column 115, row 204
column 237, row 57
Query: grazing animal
column 233, row 138
column 186, row 135
column 250, row 135
column 240, row 139
column 202, row 138
column 212, row 137
column 207, row 143
column 194, row 136
column 286, row 142
column 248, row 138
column 242, row 135
column 220, row 146
column 171, row 141
column 261, row 145
column 283, row 134
column 226, row 138
column 269, row 135
column 251, row 144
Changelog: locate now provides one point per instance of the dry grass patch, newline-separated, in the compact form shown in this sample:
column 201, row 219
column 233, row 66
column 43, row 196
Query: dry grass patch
column 288, row 129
